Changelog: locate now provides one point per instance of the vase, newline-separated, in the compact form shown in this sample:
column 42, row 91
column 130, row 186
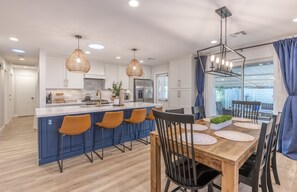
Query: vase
column 220, row 125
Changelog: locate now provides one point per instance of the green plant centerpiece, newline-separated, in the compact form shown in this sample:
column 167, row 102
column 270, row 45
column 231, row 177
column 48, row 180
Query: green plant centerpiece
column 116, row 88
column 220, row 122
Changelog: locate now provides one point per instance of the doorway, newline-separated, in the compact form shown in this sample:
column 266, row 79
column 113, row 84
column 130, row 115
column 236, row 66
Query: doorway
column 162, row 89
column 25, row 95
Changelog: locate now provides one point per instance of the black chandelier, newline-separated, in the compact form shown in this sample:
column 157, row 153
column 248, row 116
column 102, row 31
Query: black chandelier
column 222, row 56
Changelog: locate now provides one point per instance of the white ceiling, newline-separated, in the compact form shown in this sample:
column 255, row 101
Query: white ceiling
column 161, row 29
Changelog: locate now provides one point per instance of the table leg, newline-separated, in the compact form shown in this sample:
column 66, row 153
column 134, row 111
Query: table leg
column 155, row 165
column 229, row 177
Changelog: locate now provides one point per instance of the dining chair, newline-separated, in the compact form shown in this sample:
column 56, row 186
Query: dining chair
column 272, row 155
column 179, row 167
column 198, row 112
column 72, row 126
column 179, row 110
column 246, row 109
column 110, row 121
column 254, row 171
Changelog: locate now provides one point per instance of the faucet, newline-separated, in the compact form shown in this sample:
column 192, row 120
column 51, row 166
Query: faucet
column 98, row 93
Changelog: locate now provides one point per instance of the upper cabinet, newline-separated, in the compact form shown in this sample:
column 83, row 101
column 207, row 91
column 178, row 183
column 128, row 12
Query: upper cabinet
column 97, row 70
column 58, row 77
column 182, row 73
column 147, row 72
column 111, row 73
column 122, row 76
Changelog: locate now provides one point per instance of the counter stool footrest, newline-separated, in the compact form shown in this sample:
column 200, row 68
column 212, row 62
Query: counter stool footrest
column 143, row 141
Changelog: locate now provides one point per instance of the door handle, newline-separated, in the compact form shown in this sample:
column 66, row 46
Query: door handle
column 32, row 98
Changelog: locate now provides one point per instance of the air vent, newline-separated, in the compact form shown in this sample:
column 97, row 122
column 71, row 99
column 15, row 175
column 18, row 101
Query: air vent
column 238, row 34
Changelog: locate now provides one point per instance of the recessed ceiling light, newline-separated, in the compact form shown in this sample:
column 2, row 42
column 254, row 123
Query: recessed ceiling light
column 133, row 3
column 22, row 59
column 18, row 50
column 87, row 52
column 295, row 20
column 141, row 61
column 13, row 39
column 96, row 46
column 213, row 41
column 25, row 67
column 118, row 57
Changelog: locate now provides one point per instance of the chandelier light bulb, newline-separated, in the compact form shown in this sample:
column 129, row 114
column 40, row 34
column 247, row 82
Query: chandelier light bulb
column 212, row 58
column 223, row 61
column 134, row 67
column 231, row 65
column 217, row 60
column 78, row 60
column 227, row 63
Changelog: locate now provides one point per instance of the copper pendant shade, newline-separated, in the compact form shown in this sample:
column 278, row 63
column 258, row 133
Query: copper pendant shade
column 77, row 61
column 134, row 69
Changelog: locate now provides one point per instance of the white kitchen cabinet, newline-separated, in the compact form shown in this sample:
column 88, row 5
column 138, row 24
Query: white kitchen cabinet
column 111, row 74
column 182, row 73
column 97, row 70
column 147, row 73
column 58, row 77
column 181, row 98
column 122, row 76
column 55, row 73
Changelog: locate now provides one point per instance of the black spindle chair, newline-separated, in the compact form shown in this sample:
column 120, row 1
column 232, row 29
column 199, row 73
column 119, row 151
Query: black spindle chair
column 254, row 171
column 178, row 148
column 272, row 161
column 198, row 112
column 246, row 109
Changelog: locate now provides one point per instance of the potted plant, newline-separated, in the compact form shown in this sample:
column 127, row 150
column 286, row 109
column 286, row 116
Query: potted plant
column 116, row 89
column 220, row 122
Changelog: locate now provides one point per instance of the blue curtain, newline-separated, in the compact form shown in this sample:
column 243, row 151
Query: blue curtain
column 287, row 54
column 200, row 78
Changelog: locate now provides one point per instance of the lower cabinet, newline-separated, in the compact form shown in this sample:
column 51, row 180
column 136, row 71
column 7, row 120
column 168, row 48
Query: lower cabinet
column 48, row 137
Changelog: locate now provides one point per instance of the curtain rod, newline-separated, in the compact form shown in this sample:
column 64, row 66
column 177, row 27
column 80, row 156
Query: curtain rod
column 249, row 47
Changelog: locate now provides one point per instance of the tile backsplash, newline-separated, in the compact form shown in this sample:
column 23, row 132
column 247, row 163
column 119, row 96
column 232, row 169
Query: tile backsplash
column 73, row 95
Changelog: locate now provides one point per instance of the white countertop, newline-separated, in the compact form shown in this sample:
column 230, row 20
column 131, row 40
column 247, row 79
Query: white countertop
column 68, row 110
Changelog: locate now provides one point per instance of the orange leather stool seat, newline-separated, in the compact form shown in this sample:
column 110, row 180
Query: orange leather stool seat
column 111, row 120
column 73, row 125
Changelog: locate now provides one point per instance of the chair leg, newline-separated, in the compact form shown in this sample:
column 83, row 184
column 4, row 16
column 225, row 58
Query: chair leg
column 140, row 139
column 101, row 142
column 167, row 185
column 264, row 180
column 210, row 188
column 274, row 168
column 269, row 179
column 123, row 150
column 130, row 133
column 60, row 153
column 84, row 138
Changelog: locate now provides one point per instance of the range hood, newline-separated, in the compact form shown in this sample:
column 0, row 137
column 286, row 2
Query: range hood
column 94, row 76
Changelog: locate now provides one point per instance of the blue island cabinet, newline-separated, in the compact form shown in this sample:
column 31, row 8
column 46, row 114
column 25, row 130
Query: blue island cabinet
column 48, row 136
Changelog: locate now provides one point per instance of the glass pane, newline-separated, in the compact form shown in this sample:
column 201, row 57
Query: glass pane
column 162, row 87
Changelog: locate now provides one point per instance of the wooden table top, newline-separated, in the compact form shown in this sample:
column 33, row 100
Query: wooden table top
column 232, row 152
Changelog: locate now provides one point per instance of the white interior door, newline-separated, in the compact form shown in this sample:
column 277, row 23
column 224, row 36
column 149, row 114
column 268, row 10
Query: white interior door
column 25, row 95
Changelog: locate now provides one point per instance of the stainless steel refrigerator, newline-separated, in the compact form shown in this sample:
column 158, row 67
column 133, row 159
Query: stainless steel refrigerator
column 143, row 90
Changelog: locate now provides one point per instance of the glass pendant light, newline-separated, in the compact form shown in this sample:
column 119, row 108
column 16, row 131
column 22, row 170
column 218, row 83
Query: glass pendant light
column 77, row 61
column 134, row 69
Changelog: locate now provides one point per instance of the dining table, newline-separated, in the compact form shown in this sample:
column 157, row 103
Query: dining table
column 225, row 156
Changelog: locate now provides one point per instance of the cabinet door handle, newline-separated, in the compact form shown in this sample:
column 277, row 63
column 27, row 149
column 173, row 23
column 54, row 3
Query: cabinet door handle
column 179, row 83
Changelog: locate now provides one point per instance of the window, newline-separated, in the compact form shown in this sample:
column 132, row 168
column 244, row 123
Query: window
column 257, row 86
column 162, row 87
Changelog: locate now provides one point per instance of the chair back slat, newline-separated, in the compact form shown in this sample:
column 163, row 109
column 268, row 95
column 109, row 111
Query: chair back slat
column 246, row 109
column 198, row 112
column 275, row 131
column 176, row 138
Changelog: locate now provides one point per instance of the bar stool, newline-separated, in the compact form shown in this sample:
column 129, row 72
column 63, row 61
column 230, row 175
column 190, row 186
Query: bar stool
column 73, row 125
column 151, row 118
column 111, row 120
column 136, row 119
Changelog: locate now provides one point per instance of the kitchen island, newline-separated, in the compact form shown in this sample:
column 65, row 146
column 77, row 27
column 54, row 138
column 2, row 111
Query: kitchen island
column 50, row 120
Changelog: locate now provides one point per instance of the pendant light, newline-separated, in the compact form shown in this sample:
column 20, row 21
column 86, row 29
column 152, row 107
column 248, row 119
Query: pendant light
column 134, row 69
column 77, row 61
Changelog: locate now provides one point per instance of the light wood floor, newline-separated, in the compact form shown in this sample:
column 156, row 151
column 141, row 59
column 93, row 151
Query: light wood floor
column 118, row 171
